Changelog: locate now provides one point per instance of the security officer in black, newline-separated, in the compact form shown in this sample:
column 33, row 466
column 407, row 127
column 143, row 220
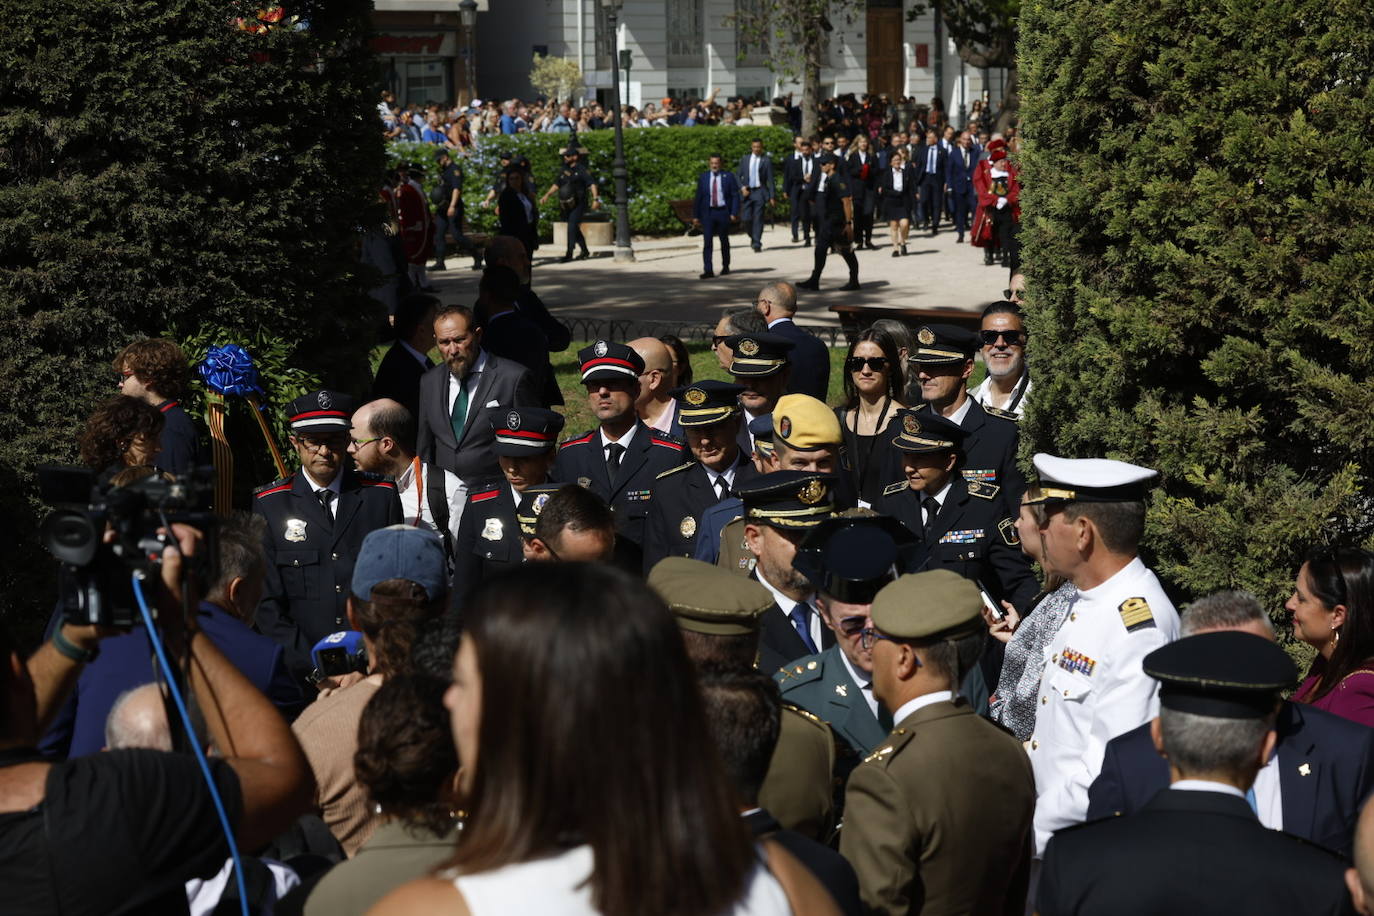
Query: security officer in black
column 447, row 197
column 316, row 521
column 709, row 412
column 620, row 459
column 832, row 205
column 574, row 184
column 964, row 525
column 488, row 534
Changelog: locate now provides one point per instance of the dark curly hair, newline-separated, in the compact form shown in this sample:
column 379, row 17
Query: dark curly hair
column 393, row 620
column 112, row 428
column 159, row 364
column 406, row 758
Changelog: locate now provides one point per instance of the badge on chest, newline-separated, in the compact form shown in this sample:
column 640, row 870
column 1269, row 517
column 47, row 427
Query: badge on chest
column 295, row 530
column 492, row 531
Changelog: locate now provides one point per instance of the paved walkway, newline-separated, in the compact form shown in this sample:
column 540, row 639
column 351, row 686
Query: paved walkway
column 661, row 286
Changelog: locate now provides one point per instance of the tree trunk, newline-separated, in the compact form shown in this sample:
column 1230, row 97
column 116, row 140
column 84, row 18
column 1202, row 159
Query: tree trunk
column 811, row 77
column 1011, row 103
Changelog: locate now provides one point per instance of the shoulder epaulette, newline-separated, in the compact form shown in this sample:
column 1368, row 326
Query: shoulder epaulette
column 897, row 487
column 671, row 471
column 999, row 412
column 276, row 486
column 667, row 443
column 983, row 490
column 484, row 495
column 809, row 716
column 370, row 479
column 802, row 671
column 1136, row 614
column 580, row 440
column 889, row 747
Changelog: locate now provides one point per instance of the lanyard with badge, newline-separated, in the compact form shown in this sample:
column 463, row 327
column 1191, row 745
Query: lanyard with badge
column 415, row 469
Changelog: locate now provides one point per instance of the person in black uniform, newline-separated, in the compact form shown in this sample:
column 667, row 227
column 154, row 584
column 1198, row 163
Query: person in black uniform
column 1198, row 847
column 488, row 534
column 618, row 460
column 797, row 173
column 943, row 361
column 862, row 169
column 447, row 197
column 833, row 207
column 574, row 184
column 709, row 412
column 154, row 371
column 505, row 251
column 316, row 521
column 964, row 525
column 407, row 360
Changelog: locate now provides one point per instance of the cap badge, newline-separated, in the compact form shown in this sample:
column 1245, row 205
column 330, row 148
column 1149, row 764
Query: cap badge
column 295, row 530
column 687, row 527
column 512, row 420
column 584, row 482
column 749, row 347
column 539, row 502
column 324, row 400
column 911, row 426
column 812, row 493
column 492, row 530
column 600, row 349
column 784, row 426
column 926, row 336
column 696, row 397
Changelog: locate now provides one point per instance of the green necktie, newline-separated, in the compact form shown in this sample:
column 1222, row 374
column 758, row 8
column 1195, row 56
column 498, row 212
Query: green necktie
column 460, row 412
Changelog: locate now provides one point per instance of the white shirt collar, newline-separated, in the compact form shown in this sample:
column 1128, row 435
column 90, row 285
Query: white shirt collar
column 911, row 706
column 777, row 321
column 865, row 682
column 335, row 485
column 959, row 415
column 944, row 491
column 420, row 358
column 728, row 474
column 783, row 602
column 1107, row 587
column 1206, row 785
column 623, row 440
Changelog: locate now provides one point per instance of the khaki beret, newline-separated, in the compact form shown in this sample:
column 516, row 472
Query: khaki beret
column 709, row 599
column 937, row 604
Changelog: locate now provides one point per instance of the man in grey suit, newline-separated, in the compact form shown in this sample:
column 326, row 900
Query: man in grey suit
column 455, row 397
column 755, row 174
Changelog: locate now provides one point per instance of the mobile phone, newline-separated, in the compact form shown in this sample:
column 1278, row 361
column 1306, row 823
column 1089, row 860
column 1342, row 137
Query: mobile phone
column 998, row 614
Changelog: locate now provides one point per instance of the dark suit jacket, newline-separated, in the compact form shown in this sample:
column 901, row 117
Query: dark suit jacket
column 510, row 335
column 779, row 642
column 810, row 360
column 765, row 175
column 828, row 866
column 1321, row 803
column 854, row 168
column 793, row 173
column 398, row 377
column 958, row 175
column 907, row 195
column 919, row 161
column 1188, row 852
column 582, row 461
column 503, row 383
column 990, row 452
column 180, row 442
column 556, row 334
column 729, row 192
column 514, row 222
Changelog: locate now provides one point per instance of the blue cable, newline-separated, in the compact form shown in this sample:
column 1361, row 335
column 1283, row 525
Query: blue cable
column 195, row 744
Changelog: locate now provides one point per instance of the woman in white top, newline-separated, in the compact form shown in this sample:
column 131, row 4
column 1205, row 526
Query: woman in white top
column 591, row 783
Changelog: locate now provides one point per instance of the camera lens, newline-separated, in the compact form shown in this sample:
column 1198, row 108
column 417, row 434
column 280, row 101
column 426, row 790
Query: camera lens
column 70, row 536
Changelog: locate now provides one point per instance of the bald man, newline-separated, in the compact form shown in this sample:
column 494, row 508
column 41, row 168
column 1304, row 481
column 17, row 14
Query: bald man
column 810, row 357
column 655, row 404
column 138, row 719
column 508, row 251
column 383, row 442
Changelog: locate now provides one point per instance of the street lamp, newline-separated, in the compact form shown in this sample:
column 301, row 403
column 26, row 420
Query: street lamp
column 467, row 15
column 623, row 251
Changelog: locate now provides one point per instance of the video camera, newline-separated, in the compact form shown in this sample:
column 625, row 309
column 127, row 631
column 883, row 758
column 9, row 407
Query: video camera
column 95, row 585
column 339, row 653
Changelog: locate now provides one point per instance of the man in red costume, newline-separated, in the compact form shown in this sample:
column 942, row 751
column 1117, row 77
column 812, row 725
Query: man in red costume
column 999, row 209
column 417, row 228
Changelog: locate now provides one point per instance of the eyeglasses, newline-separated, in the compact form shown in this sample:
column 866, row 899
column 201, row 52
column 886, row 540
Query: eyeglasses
column 869, row 636
column 1012, row 294
column 718, row 339
column 1013, row 338
column 853, row 626
column 856, row 363
column 359, row 443
column 332, row 443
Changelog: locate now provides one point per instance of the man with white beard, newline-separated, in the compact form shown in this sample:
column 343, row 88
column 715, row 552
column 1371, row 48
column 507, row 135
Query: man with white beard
column 1003, row 339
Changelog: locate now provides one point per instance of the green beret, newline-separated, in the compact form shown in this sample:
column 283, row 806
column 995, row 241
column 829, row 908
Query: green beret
column 938, row 604
column 709, row 599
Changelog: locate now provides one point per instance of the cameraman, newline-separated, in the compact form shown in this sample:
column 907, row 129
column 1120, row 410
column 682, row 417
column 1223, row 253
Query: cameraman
column 226, row 616
column 123, row 831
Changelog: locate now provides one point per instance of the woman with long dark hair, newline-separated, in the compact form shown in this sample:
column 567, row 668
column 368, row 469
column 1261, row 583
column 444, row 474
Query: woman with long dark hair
column 123, row 432
column 517, row 210
column 1333, row 611
column 872, row 396
column 587, row 765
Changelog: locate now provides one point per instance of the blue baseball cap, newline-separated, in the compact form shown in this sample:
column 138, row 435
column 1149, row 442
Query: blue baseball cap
column 401, row 552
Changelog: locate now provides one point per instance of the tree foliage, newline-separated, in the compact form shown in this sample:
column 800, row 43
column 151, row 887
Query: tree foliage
column 1200, row 249
column 182, row 168
column 555, row 77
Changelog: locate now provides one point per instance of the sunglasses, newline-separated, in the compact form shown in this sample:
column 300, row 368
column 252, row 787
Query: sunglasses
column 1012, row 294
column 718, row 339
column 856, row 363
column 1013, row 338
column 853, row 626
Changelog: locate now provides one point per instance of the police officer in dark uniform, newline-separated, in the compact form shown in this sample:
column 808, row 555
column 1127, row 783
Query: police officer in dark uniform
column 833, row 207
column 709, row 412
column 316, row 521
column 574, row 184
column 620, row 459
column 447, row 197
column 488, row 534
column 964, row 525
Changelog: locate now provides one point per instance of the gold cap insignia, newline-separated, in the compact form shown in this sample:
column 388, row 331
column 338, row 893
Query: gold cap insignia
column 812, row 493
column 687, row 527
column 749, row 346
column 926, row 336
column 695, row 396
column 911, row 426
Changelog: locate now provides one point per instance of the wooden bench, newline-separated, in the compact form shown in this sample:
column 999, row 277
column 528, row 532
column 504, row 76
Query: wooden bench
column 854, row 318
column 682, row 209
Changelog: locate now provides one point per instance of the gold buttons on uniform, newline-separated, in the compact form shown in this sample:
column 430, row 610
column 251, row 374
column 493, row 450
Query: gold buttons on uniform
column 1044, row 700
column 811, row 666
column 1073, row 615
column 1035, row 745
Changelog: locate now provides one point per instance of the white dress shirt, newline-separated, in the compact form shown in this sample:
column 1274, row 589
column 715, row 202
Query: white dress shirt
column 470, row 383
column 910, row 707
column 415, row 499
column 623, row 441
column 785, row 604
column 865, row 682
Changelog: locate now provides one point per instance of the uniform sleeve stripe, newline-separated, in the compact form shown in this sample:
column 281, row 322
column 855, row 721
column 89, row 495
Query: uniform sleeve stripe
column 672, row 445
column 482, row 497
column 583, row 441
column 285, row 486
column 379, row 483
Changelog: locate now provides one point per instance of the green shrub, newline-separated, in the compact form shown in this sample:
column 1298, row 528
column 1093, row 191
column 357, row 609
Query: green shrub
column 1200, row 254
column 163, row 173
column 662, row 165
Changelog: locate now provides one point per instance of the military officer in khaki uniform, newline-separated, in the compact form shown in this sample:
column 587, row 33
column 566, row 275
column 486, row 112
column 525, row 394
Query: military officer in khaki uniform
column 719, row 613
column 938, row 818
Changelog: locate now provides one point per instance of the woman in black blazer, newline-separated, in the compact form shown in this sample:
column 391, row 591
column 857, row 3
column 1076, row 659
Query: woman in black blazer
column 517, row 211
column 862, row 166
column 897, row 198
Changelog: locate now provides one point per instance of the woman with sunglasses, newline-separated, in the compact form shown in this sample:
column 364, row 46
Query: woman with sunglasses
column 873, row 395
column 1333, row 612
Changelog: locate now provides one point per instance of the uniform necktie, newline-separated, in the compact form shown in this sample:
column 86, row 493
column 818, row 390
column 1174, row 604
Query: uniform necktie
column 460, row 412
column 932, row 507
column 326, row 503
column 613, row 453
column 722, row 491
column 802, row 625
column 806, row 169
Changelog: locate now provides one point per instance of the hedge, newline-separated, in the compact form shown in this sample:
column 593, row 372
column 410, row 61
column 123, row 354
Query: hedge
column 1199, row 246
column 164, row 172
column 662, row 164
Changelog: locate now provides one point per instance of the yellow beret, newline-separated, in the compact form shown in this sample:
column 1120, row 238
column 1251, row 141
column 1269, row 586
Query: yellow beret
column 805, row 424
